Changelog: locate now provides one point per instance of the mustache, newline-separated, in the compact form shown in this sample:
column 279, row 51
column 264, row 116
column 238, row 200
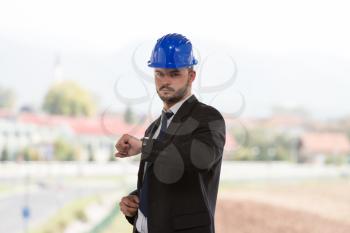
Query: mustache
column 166, row 88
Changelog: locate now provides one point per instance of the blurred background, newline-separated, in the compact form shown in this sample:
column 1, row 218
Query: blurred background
column 74, row 78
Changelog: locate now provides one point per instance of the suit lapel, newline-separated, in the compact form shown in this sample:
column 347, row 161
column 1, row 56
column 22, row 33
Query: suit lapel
column 174, row 125
column 154, row 128
column 183, row 112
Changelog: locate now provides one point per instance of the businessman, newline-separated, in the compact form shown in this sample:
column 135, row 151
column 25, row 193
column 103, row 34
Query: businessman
column 181, row 151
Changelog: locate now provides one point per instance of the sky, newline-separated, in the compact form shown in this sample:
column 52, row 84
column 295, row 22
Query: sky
column 286, row 53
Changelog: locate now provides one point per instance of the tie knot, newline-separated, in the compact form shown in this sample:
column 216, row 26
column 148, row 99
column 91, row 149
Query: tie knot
column 168, row 114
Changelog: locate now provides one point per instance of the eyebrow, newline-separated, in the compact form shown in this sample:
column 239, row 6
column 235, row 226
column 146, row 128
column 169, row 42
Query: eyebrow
column 170, row 71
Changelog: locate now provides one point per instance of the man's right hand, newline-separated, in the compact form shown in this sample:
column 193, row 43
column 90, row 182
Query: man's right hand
column 129, row 205
column 127, row 146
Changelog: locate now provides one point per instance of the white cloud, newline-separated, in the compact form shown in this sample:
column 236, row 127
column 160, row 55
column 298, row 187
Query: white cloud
column 261, row 25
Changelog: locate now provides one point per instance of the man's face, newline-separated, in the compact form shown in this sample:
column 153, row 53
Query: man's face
column 173, row 84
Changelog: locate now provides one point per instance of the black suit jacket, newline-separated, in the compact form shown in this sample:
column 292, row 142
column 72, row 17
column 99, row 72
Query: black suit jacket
column 185, row 171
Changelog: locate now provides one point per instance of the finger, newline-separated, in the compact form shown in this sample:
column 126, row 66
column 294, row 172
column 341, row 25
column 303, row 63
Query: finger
column 135, row 198
column 122, row 147
column 121, row 141
column 125, row 146
column 128, row 210
column 120, row 154
column 121, row 207
column 130, row 203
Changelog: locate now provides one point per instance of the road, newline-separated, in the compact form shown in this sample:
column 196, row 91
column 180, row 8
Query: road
column 44, row 199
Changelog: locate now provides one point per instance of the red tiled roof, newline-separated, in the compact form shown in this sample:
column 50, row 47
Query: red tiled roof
column 231, row 143
column 327, row 143
column 103, row 125
column 5, row 113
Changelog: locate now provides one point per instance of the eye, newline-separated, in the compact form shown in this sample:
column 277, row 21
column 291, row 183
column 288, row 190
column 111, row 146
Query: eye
column 174, row 75
column 158, row 75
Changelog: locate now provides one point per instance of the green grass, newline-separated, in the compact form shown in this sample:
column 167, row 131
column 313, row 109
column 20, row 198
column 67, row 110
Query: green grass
column 4, row 188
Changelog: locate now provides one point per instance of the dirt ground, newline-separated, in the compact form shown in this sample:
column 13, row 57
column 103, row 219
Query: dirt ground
column 242, row 216
column 306, row 208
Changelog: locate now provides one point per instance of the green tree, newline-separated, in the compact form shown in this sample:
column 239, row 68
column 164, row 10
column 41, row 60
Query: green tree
column 68, row 98
column 91, row 156
column 129, row 115
column 336, row 159
column 4, row 155
column 282, row 154
column 7, row 98
column 30, row 154
column 264, row 145
column 244, row 154
column 111, row 154
column 65, row 151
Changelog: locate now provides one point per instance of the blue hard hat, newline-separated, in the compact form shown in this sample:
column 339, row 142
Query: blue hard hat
column 172, row 51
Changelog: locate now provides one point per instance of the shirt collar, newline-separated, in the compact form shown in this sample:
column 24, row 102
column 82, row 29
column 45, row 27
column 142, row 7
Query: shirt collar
column 177, row 106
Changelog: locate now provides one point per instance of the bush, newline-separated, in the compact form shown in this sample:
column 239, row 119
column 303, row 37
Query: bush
column 336, row 159
column 80, row 214
column 4, row 155
column 30, row 154
column 65, row 151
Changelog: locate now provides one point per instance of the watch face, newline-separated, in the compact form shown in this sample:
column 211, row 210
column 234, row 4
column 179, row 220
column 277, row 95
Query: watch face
column 144, row 141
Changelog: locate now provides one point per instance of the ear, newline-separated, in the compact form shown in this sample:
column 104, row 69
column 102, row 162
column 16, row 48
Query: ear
column 192, row 75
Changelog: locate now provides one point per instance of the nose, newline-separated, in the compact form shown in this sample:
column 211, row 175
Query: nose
column 166, row 79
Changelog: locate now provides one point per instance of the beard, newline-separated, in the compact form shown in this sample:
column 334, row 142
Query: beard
column 176, row 96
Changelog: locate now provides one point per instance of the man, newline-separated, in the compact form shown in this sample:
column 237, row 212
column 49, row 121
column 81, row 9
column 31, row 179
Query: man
column 181, row 152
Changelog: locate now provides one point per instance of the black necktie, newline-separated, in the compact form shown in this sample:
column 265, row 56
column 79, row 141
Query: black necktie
column 165, row 117
column 144, row 190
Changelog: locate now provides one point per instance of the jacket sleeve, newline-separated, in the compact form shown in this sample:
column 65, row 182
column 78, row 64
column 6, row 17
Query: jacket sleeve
column 131, row 220
column 208, row 140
